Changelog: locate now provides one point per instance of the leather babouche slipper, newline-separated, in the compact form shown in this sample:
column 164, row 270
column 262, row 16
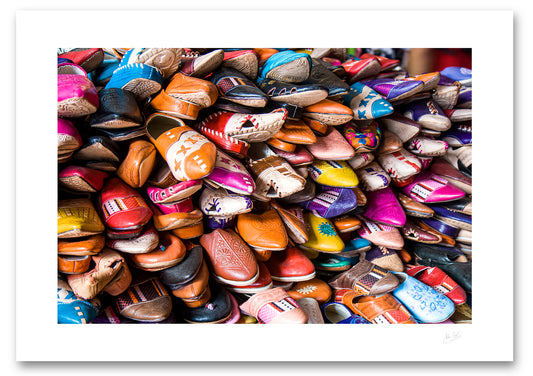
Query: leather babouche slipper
column 384, row 309
column 175, row 220
column 138, row 164
column 72, row 309
column 428, row 114
column 363, row 136
column 394, row 90
column 380, row 234
column 385, row 258
column 76, row 93
column 400, row 125
column 200, row 66
column 234, row 86
column 122, row 207
column 463, row 205
column 244, row 61
column 173, row 192
column 274, row 306
column 264, row 282
column 373, row 177
column 297, row 158
column 332, row 146
column 333, row 173
column 338, row 313
column 231, row 174
column 189, row 155
column 365, row 278
column 314, row 288
column 232, row 261
column 414, row 208
column 221, row 203
column 383, row 207
column 217, row 309
column 429, row 188
column 263, row 231
column 146, row 242
column 296, row 132
column 107, row 265
column 68, row 139
column 425, row 304
column 118, row 109
column 424, row 146
column 460, row 74
column 459, row 134
column 287, row 66
column 386, row 63
column 443, row 168
column 146, row 300
column 196, row 293
column 446, row 92
column 299, row 95
column 181, row 274
column 293, row 221
column 170, row 251
column 82, row 179
column 329, row 112
column 77, row 218
column 358, row 69
column 400, row 165
column 166, row 60
column 390, row 143
column 140, row 79
column 332, row 201
column 361, row 160
column 453, row 218
column 86, row 246
column 416, row 233
column 346, row 223
column 290, row 265
column 322, row 235
column 99, row 148
column 439, row 281
column 312, row 309
column 68, row 264
column 87, row 58
column 366, row 103
column 321, row 75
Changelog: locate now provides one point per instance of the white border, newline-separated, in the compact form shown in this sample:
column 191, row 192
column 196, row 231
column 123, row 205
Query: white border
column 38, row 34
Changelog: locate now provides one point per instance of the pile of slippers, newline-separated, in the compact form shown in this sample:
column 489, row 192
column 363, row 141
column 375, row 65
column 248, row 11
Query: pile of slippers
column 300, row 186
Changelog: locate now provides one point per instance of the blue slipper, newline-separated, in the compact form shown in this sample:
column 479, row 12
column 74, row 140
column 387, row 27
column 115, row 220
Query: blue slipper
column 287, row 66
column 71, row 309
column 142, row 80
column 366, row 103
column 338, row 313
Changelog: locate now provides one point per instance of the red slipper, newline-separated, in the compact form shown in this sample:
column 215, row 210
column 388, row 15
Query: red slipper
column 439, row 281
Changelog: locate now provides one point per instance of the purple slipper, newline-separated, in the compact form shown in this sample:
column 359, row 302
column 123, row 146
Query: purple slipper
column 384, row 207
column 458, row 135
column 393, row 89
column 428, row 114
column 332, row 201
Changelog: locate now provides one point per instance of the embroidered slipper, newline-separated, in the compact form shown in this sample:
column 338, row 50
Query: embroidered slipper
column 416, row 233
column 139, row 79
column 384, row 309
column 435, row 227
column 243, row 61
column 400, row 125
column 361, row 160
column 72, row 309
column 221, row 203
column 400, row 164
column 333, row 173
column 366, row 103
column 76, row 94
column 173, row 193
column 232, row 261
column 383, row 207
column 294, row 222
column 439, row 281
column 332, row 201
column 146, row 242
column 169, row 252
column 380, row 234
column 427, row 147
column 274, row 306
column 363, row 136
column 214, row 222
column 394, row 90
column 385, row 258
column 77, row 218
column 338, row 313
column 322, row 235
column 365, row 278
column 299, row 95
column 145, row 301
column 314, row 288
column 329, row 112
column 373, row 177
column 201, row 65
column 231, row 174
column 262, row 231
column 190, row 155
column 122, row 207
column 332, row 146
column 118, row 109
column 234, row 86
column 82, row 179
column 428, row 114
column 430, row 188
column 425, row 304
column 287, row 66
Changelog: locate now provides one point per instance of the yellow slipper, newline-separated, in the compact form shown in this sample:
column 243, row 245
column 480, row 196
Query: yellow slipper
column 322, row 235
column 77, row 218
column 333, row 173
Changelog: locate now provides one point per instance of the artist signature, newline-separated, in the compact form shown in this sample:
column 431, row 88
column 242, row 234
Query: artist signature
column 450, row 337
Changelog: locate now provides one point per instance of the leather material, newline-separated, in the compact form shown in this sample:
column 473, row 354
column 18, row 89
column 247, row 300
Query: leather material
column 459, row 134
column 383, row 309
column 189, row 232
column 99, row 148
column 443, row 168
column 314, row 288
column 361, row 160
column 263, row 231
column 338, row 313
column 290, row 265
column 264, row 282
column 170, row 252
column 463, row 205
column 323, row 76
column 194, row 90
column 322, row 235
column 118, row 109
column 184, row 206
column 400, row 164
column 146, row 242
column 197, row 292
column 440, row 281
column 201, row 66
column 274, row 306
column 282, row 145
column 359, row 69
column 414, row 208
column 173, row 193
column 365, row 278
column 366, row 103
column 172, row 221
column 307, row 193
column 122, row 207
column 441, row 227
column 425, row 304
column 400, row 125
column 329, row 112
column 332, row 146
column 73, row 264
column 138, row 164
column 161, row 176
column 244, row 61
column 231, row 174
column 386, row 63
column 77, row 218
column 217, row 309
column 317, row 126
column 82, row 179
column 394, row 90
column 173, row 106
column 312, row 309
column 300, row 95
column 413, row 232
column 294, row 223
column 429, row 188
column 363, row 137
column 453, row 218
column 373, row 177
column 332, row 201
column 296, row 132
column 81, row 247
column 383, row 207
column 183, row 273
column 190, row 155
column 76, row 94
column 68, row 136
column 72, row 309
column 287, row 66
column 424, row 146
column 221, row 203
column 299, row 157
column 333, row 173
column 385, row 258
column 381, row 235
column 141, row 79
column 346, row 223
column 428, row 114
column 87, row 58
column 234, row 86
column 231, row 259
column 166, row 60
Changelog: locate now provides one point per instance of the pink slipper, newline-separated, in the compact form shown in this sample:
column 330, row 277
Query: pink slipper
column 76, row 94
column 429, row 188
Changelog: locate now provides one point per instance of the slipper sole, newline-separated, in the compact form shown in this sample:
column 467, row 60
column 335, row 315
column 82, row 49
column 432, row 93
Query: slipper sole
column 293, row 72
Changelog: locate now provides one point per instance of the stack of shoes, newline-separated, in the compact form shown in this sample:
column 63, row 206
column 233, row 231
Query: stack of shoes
column 300, row 186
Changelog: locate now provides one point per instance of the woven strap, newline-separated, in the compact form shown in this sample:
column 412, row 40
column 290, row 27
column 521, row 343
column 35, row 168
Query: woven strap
column 140, row 293
column 114, row 206
column 270, row 310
